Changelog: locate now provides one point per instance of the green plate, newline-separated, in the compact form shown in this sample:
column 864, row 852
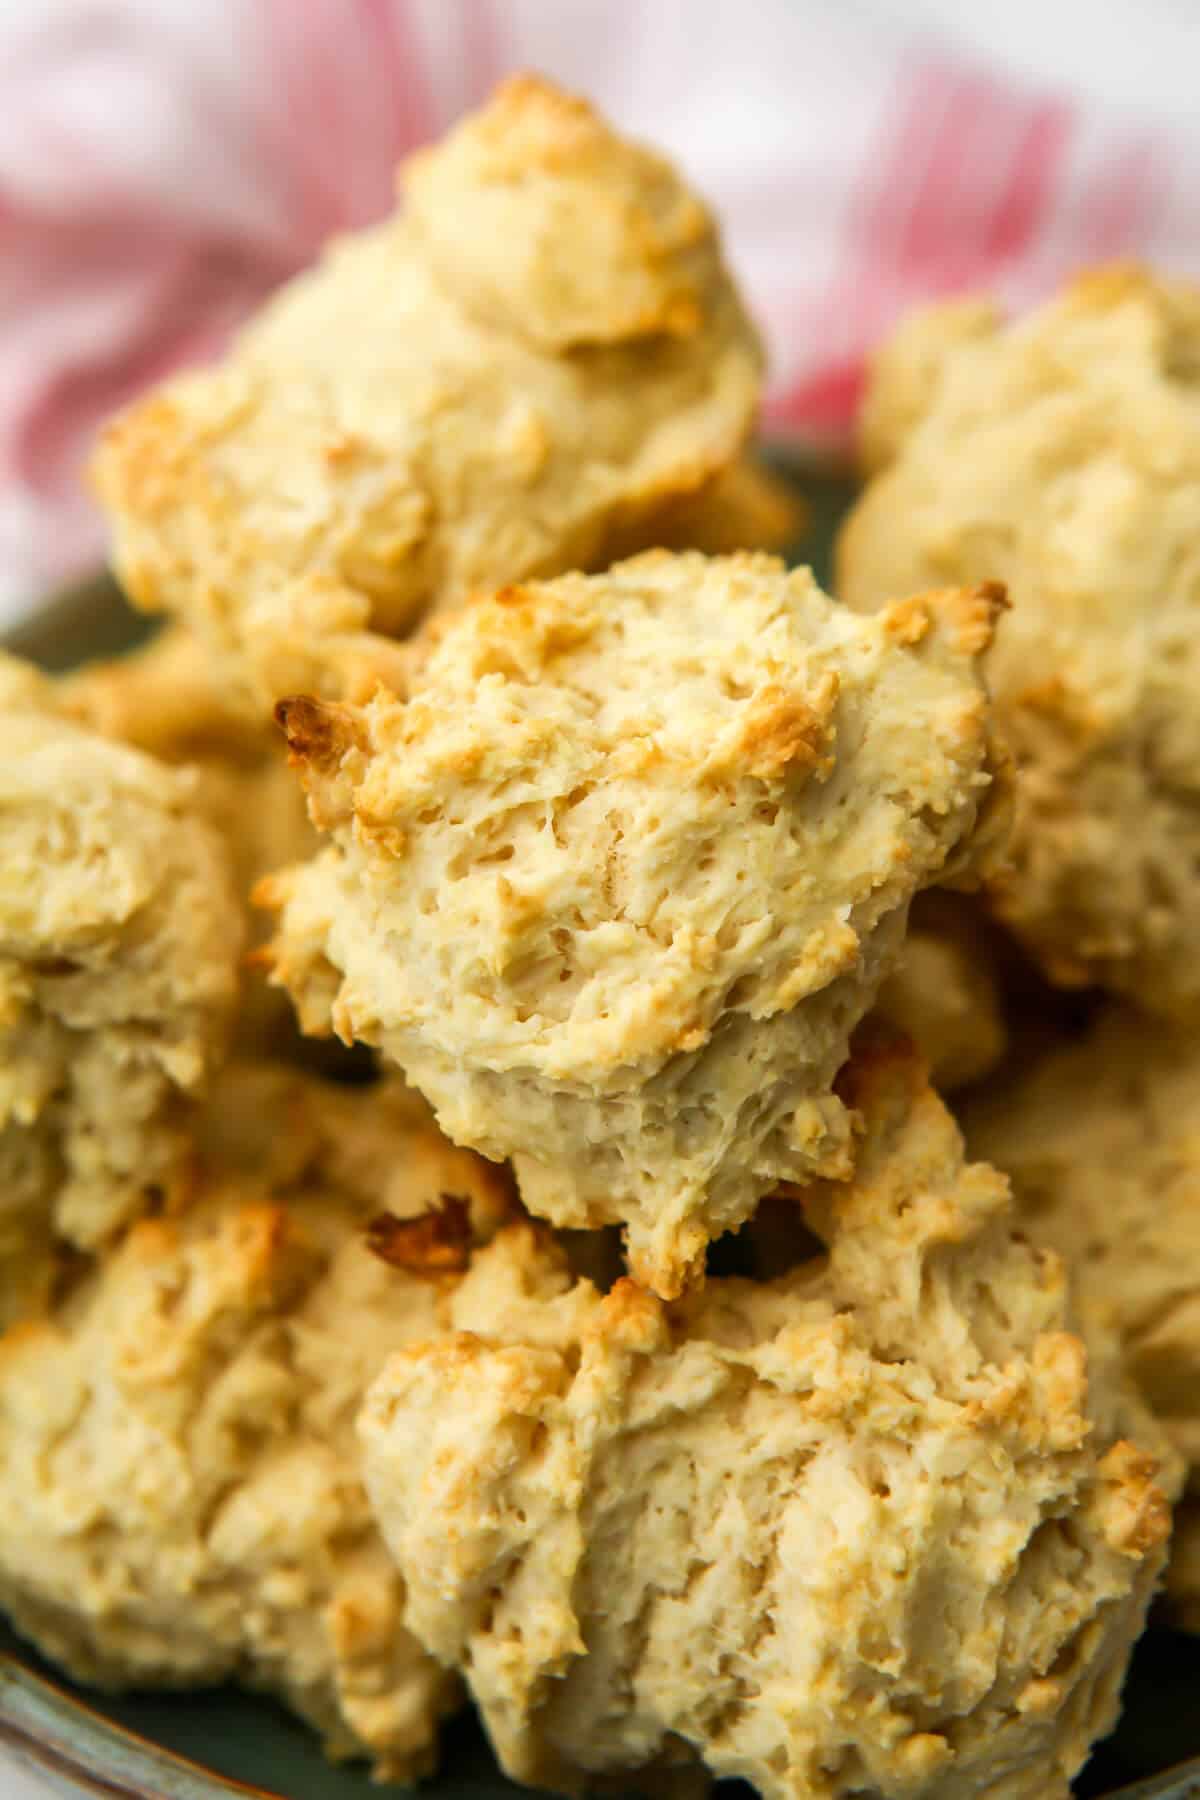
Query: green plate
column 214, row 1746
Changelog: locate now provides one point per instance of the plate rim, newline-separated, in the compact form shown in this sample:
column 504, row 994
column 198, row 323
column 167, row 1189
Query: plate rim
column 32, row 1705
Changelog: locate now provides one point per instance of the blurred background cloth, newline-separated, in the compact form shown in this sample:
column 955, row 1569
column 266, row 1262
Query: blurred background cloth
column 163, row 164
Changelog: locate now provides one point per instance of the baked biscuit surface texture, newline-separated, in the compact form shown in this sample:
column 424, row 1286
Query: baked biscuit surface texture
column 1061, row 456
column 866, row 1528
column 542, row 352
column 168, row 699
column 615, row 884
column 944, row 993
column 1102, row 1143
column 120, row 935
column 182, row 1502
column 750, row 507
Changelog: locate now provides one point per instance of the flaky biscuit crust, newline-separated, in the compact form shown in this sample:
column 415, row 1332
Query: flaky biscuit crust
column 438, row 407
column 944, row 993
column 747, row 508
column 1102, row 1142
column 1061, row 455
column 167, row 698
column 616, row 883
column 864, row 1528
column 164, row 697
column 120, row 936
column 180, row 1500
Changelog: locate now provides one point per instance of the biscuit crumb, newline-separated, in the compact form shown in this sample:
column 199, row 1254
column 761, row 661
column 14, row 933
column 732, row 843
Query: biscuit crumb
column 538, row 363
column 437, row 1243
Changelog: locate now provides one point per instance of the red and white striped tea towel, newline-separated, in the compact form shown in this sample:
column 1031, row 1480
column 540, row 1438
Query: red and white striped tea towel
column 163, row 165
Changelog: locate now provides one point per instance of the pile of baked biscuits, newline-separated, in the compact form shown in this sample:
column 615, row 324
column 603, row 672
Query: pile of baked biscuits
column 738, row 1311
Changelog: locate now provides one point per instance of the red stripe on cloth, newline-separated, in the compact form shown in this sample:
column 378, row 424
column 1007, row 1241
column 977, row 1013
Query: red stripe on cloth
column 904, row 159
column 297, row 112
column 182, row 319
column 929, row 237
column 961, row 187
column 847, row 313
column 894, row 163
column 1023, row 207
column 414, row 111
column 480, row 48
column 994, row 173
column 864, row 292
column 1119, row 202
column 1014, row 159
column 824, row 404
column 342, row 90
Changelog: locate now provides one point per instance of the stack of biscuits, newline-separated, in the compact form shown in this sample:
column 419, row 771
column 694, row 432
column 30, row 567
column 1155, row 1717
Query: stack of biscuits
column 482, row 1220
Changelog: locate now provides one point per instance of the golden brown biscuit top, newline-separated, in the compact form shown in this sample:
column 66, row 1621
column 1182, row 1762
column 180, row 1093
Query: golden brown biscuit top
column 115, row 902
column 272, row 1131
column 182, row 1499
column 1121, row 331
column 537, row 359
column 614, row 806
column 1060, row 454
column 864, row 1528
column 120, row 938
column 1102, row 1141
column 544, row 221
column 166, row 697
